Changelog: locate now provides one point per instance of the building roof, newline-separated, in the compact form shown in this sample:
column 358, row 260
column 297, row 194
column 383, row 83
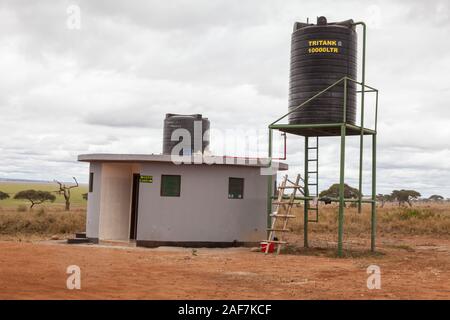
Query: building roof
column 216, row 160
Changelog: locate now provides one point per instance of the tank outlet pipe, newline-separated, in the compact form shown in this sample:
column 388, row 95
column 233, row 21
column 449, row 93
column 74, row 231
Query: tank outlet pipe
column 256, row 158
column 361, row 138
column 284, row 147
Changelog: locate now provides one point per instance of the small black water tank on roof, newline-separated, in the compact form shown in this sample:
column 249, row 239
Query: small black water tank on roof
column 322, row 54
column 199, row 140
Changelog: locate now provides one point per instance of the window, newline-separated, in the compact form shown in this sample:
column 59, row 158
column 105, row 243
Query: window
column 235, row 188
column 170, row 185
column 91, row 181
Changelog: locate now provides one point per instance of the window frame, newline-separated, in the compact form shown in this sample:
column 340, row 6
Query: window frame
column 242, row 187
column 162, row 185
column 91, row 182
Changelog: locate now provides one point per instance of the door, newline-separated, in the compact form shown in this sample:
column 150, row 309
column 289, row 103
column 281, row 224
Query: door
column 134, row 206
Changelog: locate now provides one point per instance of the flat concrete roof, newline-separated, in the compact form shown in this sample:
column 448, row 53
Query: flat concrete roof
column 216, row 160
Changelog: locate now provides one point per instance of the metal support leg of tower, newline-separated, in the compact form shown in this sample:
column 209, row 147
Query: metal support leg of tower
column 269, row 182
column 341, row 192
column 361, row 138
column 305, row 207
column 374, row 194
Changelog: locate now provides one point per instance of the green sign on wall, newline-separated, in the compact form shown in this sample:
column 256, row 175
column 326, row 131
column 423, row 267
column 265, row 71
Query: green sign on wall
column 146, row 179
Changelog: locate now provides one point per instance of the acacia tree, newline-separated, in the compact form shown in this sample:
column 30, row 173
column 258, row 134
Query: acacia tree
column 333, row 192
column 65, row 191
column 405, row 196
column 436, row 197
column 35, row 196
column 3, row 195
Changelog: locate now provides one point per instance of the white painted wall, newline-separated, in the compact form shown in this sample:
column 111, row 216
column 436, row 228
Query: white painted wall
column 203, row 212
column 115, row 201
column 93, row 205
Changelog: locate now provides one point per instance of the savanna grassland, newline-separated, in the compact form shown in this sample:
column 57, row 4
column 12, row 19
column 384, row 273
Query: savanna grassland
column 13, row 187
column 396, row 227
column 420, row 219
column 18, row 222
column 49, row 218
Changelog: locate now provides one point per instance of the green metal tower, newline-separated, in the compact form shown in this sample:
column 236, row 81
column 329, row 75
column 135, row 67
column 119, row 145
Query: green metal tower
column 342, row 130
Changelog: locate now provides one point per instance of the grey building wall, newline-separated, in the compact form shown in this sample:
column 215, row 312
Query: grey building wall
column 203, row 211
column 93, row 205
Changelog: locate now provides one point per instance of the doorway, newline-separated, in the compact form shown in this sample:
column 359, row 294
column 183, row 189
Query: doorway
column 134, row 206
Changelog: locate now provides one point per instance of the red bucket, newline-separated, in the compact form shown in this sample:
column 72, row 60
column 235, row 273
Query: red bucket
column 264, row 247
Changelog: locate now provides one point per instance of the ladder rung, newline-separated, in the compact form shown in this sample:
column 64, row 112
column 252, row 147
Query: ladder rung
column 312, row 148
column 282, row 215
column 283, row 202
column 313, row 208
column 290, row 187
column 312, row 172
column 274, row 241
column 312, row 159
column 281, row 230
column 312, row 184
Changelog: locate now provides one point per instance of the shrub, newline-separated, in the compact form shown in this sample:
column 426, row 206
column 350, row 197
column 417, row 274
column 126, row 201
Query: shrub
column 41, row 223
column 41, row 212
column 22, row 208
column 408, row 213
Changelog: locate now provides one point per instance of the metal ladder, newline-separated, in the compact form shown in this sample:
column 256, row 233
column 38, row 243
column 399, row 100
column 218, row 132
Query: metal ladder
column 286, row 202
column 312, row 170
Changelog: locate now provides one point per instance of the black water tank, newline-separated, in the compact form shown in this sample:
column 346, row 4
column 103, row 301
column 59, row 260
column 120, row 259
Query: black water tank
column 199, row 142
column 321, row 54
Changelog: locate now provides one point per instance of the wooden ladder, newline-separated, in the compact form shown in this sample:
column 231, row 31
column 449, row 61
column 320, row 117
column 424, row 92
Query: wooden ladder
column 287, row 205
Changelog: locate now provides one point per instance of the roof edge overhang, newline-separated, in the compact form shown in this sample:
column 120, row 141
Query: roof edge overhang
column 197, row 159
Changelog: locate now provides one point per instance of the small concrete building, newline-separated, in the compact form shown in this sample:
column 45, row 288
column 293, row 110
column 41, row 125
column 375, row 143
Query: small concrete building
column 151, row 199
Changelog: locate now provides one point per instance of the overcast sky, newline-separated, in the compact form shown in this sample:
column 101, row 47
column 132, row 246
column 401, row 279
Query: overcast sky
column 106, row 86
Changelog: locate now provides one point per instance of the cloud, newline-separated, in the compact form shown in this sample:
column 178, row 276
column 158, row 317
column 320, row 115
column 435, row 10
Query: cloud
column 107, row 86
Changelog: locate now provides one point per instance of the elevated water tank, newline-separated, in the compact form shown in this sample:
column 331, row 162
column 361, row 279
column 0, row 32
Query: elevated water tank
column 196, row 126
column 321, row 54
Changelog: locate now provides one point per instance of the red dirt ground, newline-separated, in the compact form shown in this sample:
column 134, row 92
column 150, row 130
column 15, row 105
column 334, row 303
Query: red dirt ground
column 418, row 270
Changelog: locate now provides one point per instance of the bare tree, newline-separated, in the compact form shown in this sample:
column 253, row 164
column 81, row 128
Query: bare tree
column 65, row 191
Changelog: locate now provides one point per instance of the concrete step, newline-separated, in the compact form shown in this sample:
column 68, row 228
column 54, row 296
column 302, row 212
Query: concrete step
column 78, row 240
column 80, row 235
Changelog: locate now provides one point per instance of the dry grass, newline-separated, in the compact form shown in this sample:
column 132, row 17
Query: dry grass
column 40, row 223
column 427, row 219
column 430, row 219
